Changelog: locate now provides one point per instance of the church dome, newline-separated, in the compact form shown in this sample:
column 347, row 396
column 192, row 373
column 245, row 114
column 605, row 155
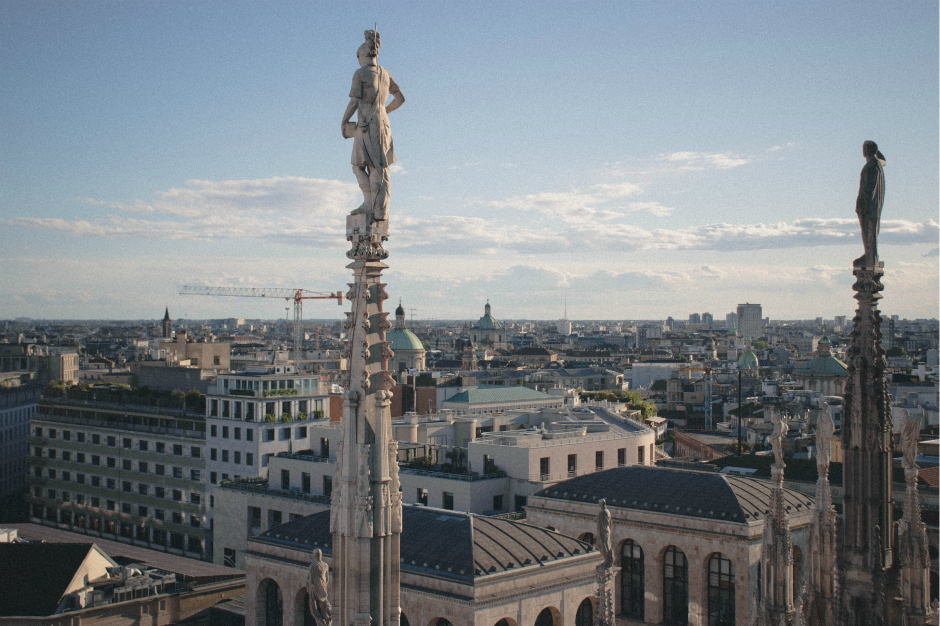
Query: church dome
column 748, row 361
column 488, row 322
column 403, row 339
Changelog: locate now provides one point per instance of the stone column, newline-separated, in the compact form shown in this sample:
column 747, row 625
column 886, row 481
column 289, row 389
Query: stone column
column 913, row 556
column 867, row 559
column 365, row 516
column 819, row 602
column 777, row 549
column 605, row 614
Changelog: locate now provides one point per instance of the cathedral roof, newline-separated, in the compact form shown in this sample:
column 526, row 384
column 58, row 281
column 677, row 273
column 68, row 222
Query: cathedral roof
column 707, row 495
column 446, row 544
column 403, row 339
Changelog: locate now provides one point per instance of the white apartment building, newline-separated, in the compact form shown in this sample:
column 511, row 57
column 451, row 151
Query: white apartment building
column 260, row 412
column 509, row 457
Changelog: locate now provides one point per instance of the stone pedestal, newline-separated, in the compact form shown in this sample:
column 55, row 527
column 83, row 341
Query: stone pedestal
column 605, row 615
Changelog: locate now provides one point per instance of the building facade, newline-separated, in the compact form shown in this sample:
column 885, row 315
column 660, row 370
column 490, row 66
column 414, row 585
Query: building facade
column 749, row 322
column 121, row 474
column 17, row 407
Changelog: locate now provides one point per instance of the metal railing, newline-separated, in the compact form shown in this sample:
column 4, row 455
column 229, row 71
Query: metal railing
column 447, row 476
column 514, row 516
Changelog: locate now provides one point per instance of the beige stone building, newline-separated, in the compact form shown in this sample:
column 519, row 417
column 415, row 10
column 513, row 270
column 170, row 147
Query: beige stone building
column 688, row 543
column 456, row 569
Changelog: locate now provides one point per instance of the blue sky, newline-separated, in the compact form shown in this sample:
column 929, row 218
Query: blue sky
column 638, row 159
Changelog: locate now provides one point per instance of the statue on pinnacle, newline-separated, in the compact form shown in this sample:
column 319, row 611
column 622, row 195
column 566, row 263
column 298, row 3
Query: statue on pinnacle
column 871, row 197
column 373, row 151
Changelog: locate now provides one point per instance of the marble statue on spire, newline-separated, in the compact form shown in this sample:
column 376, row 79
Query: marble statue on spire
column 318, row 582
column 871, row 198
column 373, row 151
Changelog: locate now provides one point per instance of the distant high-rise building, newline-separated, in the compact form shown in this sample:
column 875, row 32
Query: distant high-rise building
column 749, row 322
column 840, row 321
column 695, row 318
column 708, row 320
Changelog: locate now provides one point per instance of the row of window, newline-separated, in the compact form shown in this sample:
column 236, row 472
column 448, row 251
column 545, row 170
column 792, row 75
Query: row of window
column 111, row 483
column 270, row 434
column 143, row 445
column 545, row 462
column 675, row 571
column 234, row 408
column 158, row 536
column 236, row 456
column 126, row 464
column 126, row 507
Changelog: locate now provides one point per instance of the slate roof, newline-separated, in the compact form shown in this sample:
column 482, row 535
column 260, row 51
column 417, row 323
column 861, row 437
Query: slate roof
column 446, row 544
column 38, row 580
column 488, row 394
column 185, row 569
column 736, row 499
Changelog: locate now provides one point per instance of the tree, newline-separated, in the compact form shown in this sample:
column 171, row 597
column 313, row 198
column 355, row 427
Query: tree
column 761, row 345
column 897, row 351
column 195, row 399
column 55, row 389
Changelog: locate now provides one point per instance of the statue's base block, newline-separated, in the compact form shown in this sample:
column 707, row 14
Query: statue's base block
column 606, row 613
column 366, row 237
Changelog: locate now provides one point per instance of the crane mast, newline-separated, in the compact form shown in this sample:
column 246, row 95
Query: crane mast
column 298, row 295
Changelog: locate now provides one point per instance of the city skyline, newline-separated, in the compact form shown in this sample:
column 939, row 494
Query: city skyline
column 633, row 163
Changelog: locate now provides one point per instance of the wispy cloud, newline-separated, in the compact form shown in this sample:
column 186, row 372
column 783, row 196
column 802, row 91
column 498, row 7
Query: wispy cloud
column 653, row 208
column 211, row 210
column 705, row 160
column 576, row 205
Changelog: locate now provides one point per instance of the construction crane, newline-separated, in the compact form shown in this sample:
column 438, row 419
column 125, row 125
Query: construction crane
column 296, row 294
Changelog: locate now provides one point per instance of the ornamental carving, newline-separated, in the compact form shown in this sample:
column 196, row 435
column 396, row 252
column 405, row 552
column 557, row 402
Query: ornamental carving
column 384, row 324
column 364, row 516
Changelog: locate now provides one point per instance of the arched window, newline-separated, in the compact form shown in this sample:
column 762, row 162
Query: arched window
column 441, row 621
column 797, row 572
column 720, row 591
column 273, row 605
column 675, row 587
column 545, row 618
column 587, row 538
column 632, row 582
column 585, row 614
